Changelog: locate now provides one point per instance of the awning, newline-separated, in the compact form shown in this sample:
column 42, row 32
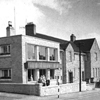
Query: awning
column 42, row 65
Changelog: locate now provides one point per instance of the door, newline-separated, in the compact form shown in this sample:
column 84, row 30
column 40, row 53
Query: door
column 70, row 77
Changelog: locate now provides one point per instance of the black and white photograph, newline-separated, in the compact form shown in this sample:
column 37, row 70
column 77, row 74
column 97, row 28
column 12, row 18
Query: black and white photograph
column 49, row 49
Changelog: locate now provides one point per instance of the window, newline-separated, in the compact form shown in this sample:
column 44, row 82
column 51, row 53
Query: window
column 52, row 54
column 5, row 73
column 74, row 56
column 61, row 55
column 83, row 75
column 95, row 55
column 31, row 76
column 31, row 51
column 51, row 73
column 42, row 53
column 96, row 72
column 42, row 72
column 93, row 73
column 70, row 56
column 4, row 49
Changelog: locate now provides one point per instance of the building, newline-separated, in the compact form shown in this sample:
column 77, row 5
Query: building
column 24, row 58
column 90, row 60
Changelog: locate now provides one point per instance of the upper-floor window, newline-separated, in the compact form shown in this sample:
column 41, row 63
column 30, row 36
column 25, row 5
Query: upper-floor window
column 31, row 51
column 5, row 73
column 70, row 56
column 42, row 53
column 52, row 54
column 95, row 56
column 61, row 57
column 4, row 49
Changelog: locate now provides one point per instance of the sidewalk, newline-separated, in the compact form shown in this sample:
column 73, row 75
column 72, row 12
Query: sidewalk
column 55, row 97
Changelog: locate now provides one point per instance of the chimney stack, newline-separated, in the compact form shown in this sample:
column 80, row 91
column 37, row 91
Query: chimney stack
column 30, row 29
column 10, row 30
column 72, row 38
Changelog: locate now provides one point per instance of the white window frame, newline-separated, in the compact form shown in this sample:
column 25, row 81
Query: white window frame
column 2, row 73
column 45, row 53
column 55, row 50
column 34, row 58
column 5, row 52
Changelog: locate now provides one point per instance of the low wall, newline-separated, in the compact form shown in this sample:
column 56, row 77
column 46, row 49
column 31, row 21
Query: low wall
column 64, row 88
column 39, row 90
column 32, row 89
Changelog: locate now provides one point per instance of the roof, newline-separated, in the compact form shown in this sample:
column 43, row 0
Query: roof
column 85, row 44
column 64, row 46
column 50, row 38
column 76, row 49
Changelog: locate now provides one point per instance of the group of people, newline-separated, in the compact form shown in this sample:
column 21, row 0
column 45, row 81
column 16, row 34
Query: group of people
column 44, row 81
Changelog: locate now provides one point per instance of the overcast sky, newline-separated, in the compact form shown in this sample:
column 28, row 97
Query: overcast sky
column 58, row 18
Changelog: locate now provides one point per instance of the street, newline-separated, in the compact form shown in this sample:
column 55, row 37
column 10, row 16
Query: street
column 88, row 95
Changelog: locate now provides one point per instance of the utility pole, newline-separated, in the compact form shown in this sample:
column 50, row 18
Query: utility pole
column 79, row 67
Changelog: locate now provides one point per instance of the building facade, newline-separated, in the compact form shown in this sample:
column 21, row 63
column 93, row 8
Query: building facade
column 25, row 58
column 90, row 60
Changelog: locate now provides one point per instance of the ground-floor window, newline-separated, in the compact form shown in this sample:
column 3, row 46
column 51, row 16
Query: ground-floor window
column 42, row 72
column 31, row 74
column 5, row 73
column 51, row 73
column 83, row 78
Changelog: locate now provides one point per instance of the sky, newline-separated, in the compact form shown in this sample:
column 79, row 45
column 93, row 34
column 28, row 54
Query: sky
column 57, row 18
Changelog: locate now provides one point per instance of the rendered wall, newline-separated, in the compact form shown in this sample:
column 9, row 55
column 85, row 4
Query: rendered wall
column 39, row 90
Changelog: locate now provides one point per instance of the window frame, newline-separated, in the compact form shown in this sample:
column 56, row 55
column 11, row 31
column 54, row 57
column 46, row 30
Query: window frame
column 42, row 59
column 8, row 77
column 6, row 50
column 96, row 56
column 55, row 50
column 31, row 58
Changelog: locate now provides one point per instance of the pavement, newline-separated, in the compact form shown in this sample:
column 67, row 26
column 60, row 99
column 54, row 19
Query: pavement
column 67, row 96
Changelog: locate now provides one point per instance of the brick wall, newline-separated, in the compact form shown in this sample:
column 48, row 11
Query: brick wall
column 14, row 60
column 31, row 89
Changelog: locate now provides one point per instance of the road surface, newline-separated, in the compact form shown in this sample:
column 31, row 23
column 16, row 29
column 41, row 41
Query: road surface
column 88, row 95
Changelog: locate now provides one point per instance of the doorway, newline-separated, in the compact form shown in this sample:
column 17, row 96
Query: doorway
column 70, row 77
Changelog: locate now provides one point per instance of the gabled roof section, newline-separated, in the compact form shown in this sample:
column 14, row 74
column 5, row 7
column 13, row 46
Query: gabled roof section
column 64, row 46
column 61, row 41
column 76, row 49
column 85, row 44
